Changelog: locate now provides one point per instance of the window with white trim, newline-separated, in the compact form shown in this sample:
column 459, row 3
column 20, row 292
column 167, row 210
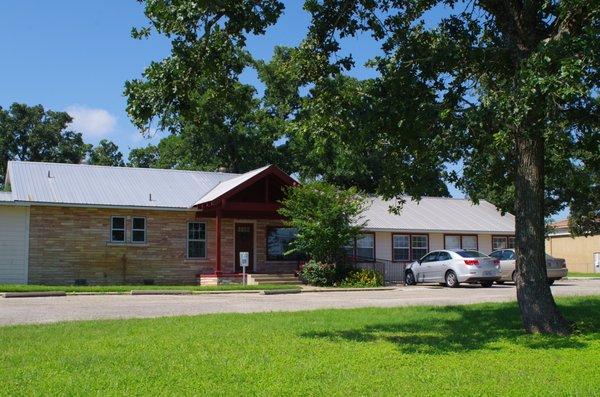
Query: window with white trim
column 499, row 242
column 196, row 242
column 138, row 230
column 511, row 242
column 502, row 242
column 465, row 242
column 452, row 242
column 365, row 247
column 418, row 244
column 400, row 247
column 117, row 229
column 469, row 243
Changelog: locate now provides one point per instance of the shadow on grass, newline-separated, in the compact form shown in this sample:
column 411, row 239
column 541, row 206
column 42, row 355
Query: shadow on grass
column 467, row 328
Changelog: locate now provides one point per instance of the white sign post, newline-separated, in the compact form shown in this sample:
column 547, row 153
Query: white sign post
column 244, row 261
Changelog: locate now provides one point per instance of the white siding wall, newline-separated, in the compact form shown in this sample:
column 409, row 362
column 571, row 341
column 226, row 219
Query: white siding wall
column 14, row 244
column 383, row 245
column 485, row 243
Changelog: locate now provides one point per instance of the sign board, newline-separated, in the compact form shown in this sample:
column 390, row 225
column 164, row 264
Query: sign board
column 244, row 259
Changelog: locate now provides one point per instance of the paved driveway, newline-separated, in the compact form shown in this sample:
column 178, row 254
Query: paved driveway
column 69, row 308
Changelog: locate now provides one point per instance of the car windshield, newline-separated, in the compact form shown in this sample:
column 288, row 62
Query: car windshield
column 470, row 254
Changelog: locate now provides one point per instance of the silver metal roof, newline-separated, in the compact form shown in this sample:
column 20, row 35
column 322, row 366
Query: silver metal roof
column 6, row 196
column 438, row 214
column 79, row 184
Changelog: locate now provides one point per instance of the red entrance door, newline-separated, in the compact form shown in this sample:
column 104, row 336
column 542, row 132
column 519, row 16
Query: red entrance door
column 244, row 242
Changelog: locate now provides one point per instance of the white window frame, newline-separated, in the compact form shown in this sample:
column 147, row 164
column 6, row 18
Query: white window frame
column 124, row 230
column 145, row 230
column 413, row 247
column 188, row 240
column 504, row 238
column 407, row 247
column 372, row 247
column 461, row 240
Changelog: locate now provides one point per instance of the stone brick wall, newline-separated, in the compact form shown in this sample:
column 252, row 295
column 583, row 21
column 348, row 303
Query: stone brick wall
column 68, row 243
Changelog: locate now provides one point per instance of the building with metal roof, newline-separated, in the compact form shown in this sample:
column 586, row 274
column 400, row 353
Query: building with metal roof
column 75, row 223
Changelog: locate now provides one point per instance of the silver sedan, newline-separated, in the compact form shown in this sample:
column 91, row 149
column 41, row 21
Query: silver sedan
column 556, row 268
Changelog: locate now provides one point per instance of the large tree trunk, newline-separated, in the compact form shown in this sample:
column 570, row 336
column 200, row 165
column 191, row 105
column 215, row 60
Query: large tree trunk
column 538, row 309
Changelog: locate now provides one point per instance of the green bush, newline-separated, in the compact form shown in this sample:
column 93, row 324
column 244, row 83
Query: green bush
column 363, row 278
column 326, row 218
column 319, row 274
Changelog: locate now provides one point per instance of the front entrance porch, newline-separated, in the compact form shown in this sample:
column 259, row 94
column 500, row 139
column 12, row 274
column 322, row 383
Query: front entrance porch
column 245, row 213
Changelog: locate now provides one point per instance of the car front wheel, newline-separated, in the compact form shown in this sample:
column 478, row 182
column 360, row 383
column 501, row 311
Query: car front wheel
column 451, row 279
column 409, row 278
column 551, row 281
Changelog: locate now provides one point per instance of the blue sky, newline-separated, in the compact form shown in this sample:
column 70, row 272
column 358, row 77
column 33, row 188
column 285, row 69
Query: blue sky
column 75, row 55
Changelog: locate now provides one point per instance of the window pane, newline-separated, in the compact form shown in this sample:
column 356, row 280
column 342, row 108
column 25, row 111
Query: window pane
column 196, row 249
column 278, row 241
column 401, row 248
column 469, row 242
column 138, row 236
column 400, row 241
column 196, row 231
column 401, row 254
column 139, row 223
column 452, row 242
column 498, row 243
column 418, row 253
column 419, row 241
column 365, row 244
column 118, row 223
column 511, row 242
column 118, row 235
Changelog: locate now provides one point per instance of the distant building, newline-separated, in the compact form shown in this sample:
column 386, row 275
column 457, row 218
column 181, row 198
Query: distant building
column 581, row 253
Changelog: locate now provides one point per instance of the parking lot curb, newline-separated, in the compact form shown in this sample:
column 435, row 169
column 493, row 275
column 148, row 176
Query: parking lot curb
column 349, row 289
column 39, row 294
column 161, row 292
column 281, row 291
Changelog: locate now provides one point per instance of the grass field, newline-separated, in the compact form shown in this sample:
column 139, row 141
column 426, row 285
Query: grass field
column 128, row 288
column 460, row 350
column 575, row 274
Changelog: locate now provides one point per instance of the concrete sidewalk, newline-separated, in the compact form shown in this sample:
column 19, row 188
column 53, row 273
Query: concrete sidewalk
column 71, row 308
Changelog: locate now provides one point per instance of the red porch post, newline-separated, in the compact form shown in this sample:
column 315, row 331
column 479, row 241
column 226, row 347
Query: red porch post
column 218, row 227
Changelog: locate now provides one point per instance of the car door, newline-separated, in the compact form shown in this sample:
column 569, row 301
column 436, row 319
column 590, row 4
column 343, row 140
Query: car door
column 441, row 266
column 422, row 270
column 508, row 264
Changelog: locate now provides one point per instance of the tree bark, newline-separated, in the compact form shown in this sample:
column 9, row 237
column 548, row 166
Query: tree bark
column 538, row 309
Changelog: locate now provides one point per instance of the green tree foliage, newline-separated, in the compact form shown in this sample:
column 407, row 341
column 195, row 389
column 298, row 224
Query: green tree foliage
column 326, row 218
column 170, row 152
column 196, row 91
column 334, row 128
column 106, row 153
column 508, row 89
column 31, row 133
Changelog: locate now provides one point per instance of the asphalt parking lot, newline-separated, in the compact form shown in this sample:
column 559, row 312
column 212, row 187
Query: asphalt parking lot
column 90, row 307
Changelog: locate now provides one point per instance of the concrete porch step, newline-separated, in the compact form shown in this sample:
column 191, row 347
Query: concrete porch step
column 287, row 279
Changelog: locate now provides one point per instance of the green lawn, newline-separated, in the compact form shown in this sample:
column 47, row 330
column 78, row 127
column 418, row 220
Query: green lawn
column 460, row 350
column 128, row 288
column 575, row 274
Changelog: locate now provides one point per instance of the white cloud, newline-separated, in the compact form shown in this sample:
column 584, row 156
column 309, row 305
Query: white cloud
column 95, row 123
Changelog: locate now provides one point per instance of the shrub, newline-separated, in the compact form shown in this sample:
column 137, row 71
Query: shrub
column 363, row 278
column 319, row 274
column 326, row 218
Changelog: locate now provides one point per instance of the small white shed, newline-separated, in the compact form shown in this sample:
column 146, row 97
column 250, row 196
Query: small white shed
column 14, row 241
